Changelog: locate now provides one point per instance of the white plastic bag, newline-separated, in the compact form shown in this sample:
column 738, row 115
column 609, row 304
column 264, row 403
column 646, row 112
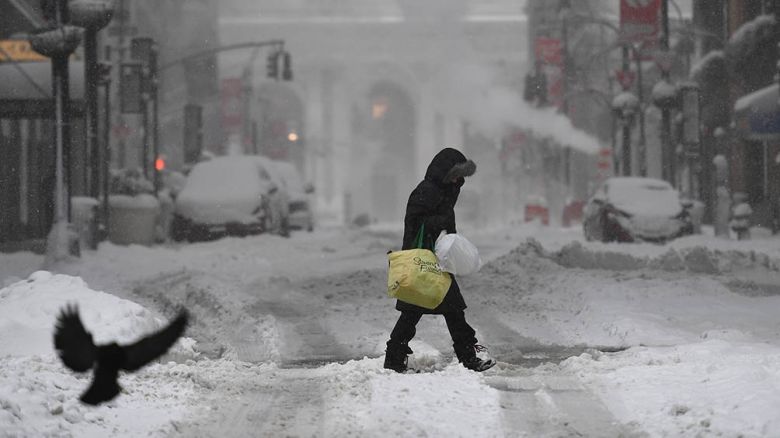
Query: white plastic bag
column 457, row 255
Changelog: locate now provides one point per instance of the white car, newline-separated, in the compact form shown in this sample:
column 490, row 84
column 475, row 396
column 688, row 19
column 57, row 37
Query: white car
column 230, row 195
column 301, row 216
column 630, row 209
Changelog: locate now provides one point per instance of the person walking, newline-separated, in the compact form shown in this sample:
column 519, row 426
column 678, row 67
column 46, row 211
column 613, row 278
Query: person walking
column 432, row 204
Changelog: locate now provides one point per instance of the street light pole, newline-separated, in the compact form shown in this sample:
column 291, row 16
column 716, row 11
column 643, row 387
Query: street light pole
column 642, row 146
column 565, row 9
column 627, row 171
column 92, row 15
column 57, row 42
column 105, row 81
column 667, row 153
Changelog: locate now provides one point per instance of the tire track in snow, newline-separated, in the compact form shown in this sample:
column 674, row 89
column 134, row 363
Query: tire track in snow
column 303, row 332
column 289, row 404
column 537, row 404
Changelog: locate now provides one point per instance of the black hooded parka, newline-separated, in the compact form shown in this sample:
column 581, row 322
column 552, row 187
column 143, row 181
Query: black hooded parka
column 432, row 203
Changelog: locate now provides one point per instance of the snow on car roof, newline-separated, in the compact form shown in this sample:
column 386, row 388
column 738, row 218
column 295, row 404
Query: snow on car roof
column 224, row 175
column 643, row 196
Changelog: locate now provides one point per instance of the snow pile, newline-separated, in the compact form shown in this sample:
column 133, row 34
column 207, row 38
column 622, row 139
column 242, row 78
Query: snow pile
column 39, row 396
column 695, row 259
column 28, row 311
column 428, row 404
column 714, row 387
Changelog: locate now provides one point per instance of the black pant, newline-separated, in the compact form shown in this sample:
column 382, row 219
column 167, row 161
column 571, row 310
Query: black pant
column 463, row 336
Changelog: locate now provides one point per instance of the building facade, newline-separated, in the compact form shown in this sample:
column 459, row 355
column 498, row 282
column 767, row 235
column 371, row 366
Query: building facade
column 738, row 47
column 379, row 87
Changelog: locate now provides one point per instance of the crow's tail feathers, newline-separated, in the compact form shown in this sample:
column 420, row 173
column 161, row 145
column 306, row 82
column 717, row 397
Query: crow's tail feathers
column 104, row 386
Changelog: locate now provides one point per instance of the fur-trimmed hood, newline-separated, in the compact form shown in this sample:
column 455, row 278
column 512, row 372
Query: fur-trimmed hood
column 449, row 163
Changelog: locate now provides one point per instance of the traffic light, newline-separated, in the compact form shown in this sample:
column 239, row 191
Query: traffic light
column 272, row 65
column 287, row 74
column 159, row 163
column 193, row 132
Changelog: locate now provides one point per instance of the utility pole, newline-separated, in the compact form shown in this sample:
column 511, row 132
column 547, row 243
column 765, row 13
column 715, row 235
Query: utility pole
column 642, row 146
column 92, row 15
column 626, row 125
column 667, row 152
column 105, row 81
column 58, row 42
column 247, row 78
column 565, row 9
column 144, row 49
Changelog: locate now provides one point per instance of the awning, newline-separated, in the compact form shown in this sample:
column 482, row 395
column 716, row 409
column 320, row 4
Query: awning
column 26, row 89
column 758, row 114
column 32, row 80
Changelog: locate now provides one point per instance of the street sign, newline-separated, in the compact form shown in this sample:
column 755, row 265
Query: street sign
column 549, row 51
column 19, row 50
column 130, row 83
column 640, row 22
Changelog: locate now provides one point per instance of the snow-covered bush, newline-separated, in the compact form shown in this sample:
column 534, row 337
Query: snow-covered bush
column 129, row 182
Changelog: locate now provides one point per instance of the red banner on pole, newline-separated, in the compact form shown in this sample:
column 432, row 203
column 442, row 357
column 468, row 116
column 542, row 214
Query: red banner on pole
column 549, row 51
column 231, row 105
column 625, row 78
column 640, row 22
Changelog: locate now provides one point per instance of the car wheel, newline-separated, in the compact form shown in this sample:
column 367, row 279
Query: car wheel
column 179, row 229
column 607, row 234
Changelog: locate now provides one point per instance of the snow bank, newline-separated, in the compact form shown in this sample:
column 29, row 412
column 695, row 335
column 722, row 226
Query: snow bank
column 39, row 396
column 711, row 388
column 29, row 308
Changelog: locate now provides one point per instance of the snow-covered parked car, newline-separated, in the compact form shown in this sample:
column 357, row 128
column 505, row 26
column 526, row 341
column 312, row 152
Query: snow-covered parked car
column 230, row 195
column 301, row 215
column 629, row 209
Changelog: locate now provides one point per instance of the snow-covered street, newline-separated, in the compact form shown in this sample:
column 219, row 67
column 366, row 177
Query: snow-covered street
column 287, row 339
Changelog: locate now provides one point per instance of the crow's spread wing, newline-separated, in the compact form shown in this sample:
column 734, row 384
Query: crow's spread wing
column 155, row 345
column 72, row 342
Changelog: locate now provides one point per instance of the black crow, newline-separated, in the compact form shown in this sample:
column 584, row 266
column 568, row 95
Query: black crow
column 76, row 349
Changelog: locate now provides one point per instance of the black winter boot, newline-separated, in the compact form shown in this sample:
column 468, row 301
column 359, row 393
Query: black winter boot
column 396, row 357
column 475, row 357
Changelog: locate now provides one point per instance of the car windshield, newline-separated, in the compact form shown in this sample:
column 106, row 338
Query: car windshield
column 643, row 196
